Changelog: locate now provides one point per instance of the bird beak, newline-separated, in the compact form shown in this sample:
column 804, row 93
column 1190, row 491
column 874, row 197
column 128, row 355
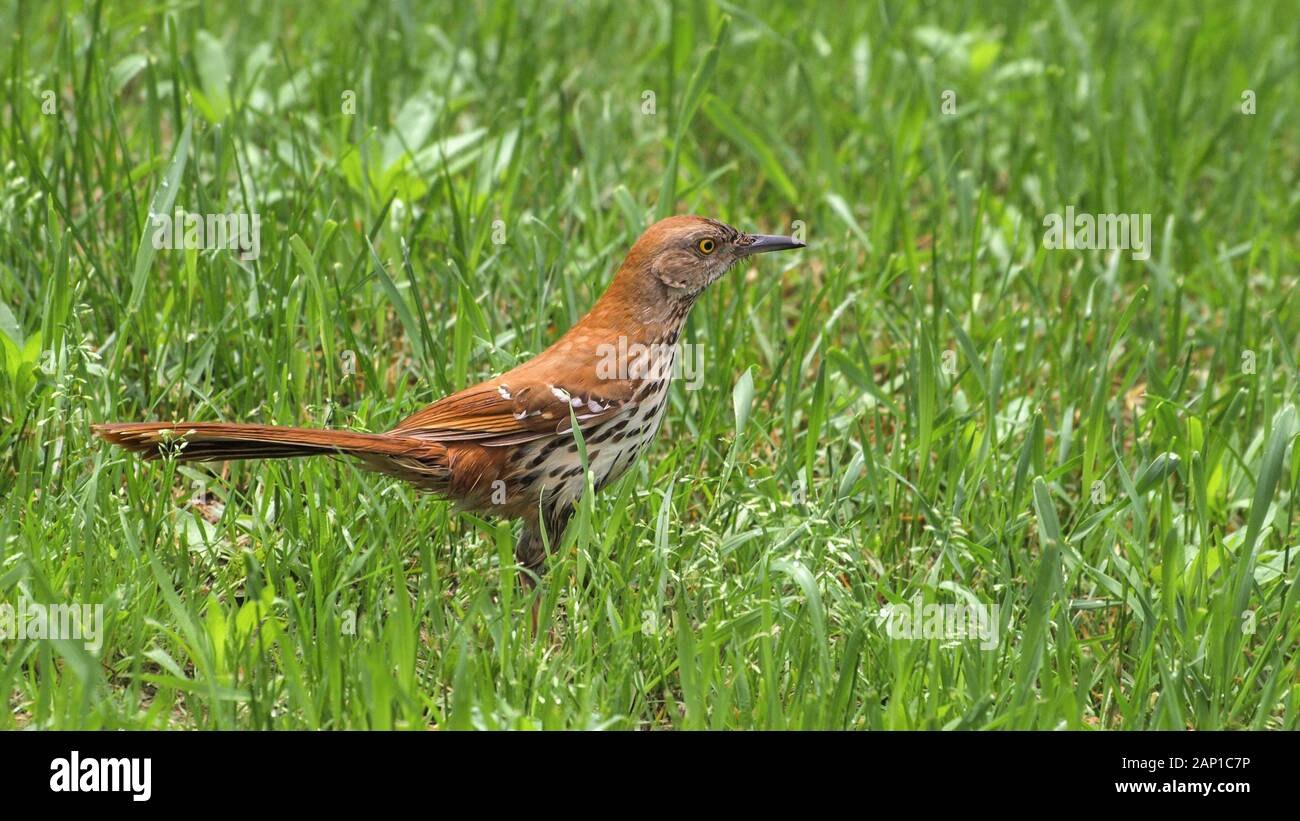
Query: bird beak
column 762, row 243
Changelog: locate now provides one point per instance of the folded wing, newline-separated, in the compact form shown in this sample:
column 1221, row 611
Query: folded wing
column 508, row 411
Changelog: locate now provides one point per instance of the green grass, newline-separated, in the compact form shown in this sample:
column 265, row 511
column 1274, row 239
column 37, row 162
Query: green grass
column 920, row 403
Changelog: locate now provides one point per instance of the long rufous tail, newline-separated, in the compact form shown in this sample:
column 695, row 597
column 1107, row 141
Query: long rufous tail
column 216, row 441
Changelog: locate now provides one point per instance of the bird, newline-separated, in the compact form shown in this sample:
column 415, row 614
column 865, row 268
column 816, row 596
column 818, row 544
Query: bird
column 506, row 446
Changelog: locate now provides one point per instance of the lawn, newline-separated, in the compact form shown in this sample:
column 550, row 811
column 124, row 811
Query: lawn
column 933, row 404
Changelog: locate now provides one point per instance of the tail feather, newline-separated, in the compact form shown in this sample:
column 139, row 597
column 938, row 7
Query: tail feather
column 219, row 441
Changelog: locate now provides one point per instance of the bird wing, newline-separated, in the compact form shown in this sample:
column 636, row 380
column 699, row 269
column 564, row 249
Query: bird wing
column 507, row 411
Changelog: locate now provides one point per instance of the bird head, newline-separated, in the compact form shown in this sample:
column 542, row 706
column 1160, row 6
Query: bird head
column 686, row 254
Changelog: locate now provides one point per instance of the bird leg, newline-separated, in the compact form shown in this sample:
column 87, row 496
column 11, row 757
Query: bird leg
column 530, row 551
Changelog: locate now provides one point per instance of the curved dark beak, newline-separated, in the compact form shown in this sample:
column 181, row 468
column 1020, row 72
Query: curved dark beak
column 762, row 243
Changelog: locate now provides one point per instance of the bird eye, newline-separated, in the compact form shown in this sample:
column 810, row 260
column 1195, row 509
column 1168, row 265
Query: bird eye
column 706, row 246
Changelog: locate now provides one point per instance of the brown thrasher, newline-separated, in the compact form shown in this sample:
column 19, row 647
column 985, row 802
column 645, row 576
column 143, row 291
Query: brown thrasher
column 505, row 446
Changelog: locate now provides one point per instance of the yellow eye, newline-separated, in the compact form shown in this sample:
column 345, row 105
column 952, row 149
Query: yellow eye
column 706, row 246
